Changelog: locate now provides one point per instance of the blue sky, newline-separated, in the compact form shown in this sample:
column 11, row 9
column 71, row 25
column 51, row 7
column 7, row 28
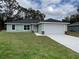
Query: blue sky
column 57, row 9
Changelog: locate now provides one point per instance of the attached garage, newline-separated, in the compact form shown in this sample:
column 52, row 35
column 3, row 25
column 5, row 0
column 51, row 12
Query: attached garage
column 53, row 27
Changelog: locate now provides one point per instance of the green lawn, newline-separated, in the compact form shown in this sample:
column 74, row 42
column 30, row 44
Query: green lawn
column 29, row 46
column 73, row 34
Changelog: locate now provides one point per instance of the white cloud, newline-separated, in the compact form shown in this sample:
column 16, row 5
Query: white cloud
column 27, row 4
column 60, row 12
column 56, row 1
column 47, row 2
column 77, row 0
column 50, row 10
column 71, row 1
column 51, row 1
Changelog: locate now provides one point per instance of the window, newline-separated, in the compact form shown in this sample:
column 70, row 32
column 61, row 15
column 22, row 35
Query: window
column 26, row 27
column 13, row 27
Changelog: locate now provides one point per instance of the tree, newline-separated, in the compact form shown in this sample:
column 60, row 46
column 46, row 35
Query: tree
column 9, row 7
column 40, row 15
column 67, row 19
column 35, row 14
column 73, row 18
column 78, row 9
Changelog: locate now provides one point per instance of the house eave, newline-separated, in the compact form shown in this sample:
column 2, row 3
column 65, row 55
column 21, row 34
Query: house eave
column 54, row 23
column 41, row 23
column 74, row 25
column 21, row 23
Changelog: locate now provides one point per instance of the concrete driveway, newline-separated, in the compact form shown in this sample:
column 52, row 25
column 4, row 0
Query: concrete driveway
column 68, row 41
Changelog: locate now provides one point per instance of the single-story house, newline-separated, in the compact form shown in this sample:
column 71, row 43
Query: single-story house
column 49, row 26
column 73, row 27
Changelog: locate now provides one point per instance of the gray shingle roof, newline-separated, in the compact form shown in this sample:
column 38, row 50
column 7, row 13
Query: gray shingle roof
column 22, row 21
column 31, row 21
column 51, row 20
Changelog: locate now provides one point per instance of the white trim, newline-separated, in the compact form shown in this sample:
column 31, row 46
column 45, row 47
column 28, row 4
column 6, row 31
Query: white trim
column 54, row 22
column 40, row 23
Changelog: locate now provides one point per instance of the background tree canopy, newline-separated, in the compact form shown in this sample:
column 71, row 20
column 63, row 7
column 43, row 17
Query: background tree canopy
column 10, row 9
column 73, row 18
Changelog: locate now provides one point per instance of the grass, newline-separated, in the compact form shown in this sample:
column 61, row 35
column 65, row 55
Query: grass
column 29, row 46
column 76, row 34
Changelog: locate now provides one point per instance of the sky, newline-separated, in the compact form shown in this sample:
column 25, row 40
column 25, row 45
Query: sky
column 56, row 9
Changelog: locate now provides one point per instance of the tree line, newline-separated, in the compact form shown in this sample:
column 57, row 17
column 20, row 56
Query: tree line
column 10, row 9
column 72, row 18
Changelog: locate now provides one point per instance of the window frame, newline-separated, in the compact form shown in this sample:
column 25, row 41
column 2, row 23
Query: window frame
column 13, row 27
column 26, row 27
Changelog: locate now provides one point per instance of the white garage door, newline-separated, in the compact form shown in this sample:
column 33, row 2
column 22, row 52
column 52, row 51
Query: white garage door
column 54, row 28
